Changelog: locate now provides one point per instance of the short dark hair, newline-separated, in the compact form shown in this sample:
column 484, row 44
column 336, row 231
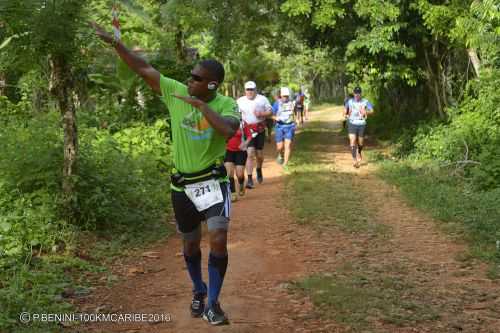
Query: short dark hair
column 357, row 90
column 214, row 67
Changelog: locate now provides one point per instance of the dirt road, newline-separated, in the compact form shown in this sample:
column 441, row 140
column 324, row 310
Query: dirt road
column 268, row 250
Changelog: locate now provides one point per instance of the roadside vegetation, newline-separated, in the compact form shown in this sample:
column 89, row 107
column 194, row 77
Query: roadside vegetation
column 85, row 146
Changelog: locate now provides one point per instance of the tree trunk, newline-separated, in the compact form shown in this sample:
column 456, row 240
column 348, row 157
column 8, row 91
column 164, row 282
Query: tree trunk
column 180, row 49
column 61, row 88
column 233, row 90
column 474, row 59
column 434, row 85
column 2, row 84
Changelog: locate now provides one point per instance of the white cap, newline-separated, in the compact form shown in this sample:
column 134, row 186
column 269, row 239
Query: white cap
column 285, row 91
column 250, row 85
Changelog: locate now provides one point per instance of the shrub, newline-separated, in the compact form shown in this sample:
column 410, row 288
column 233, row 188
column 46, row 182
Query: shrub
column 118, row 181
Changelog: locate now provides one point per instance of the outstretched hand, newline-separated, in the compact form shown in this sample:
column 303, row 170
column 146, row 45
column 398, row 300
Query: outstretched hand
column 101, row 33
column 197, row 103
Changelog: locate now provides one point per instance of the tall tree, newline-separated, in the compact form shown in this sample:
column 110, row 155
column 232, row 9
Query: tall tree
column 47, row 33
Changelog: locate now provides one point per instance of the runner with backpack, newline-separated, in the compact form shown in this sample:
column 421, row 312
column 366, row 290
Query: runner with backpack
column 283, row 112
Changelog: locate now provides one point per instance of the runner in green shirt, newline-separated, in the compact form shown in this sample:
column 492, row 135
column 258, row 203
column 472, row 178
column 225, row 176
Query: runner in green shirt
column 202, row 121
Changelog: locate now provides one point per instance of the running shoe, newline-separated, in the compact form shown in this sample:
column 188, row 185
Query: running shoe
column 359, row 157
column 242, row 191
column 260, row 179
column 214, row 315
column 198, row 304
column 279, row 159
column 233, row 197
column 250, row 184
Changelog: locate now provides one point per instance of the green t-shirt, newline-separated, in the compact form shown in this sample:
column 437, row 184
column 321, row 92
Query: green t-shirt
column 196, row 145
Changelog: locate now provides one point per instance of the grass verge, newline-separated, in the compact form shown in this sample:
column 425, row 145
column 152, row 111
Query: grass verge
column 473, row 215
column 320, row 196
column 363, row 297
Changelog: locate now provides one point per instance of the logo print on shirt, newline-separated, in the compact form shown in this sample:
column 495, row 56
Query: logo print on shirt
column 197, row 126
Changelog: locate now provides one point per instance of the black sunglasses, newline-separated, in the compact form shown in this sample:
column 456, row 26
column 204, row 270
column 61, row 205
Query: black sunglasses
column 250, row 89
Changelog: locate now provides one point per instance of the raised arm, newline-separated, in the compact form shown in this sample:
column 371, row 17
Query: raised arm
column 150, row 75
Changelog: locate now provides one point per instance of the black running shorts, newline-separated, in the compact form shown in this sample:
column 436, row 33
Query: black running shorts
column 236, row 157
column 258, row 141
column 188, row 218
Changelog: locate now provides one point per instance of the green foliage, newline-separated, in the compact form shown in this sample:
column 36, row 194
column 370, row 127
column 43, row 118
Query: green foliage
column 121, row 192
column 30, row 170
column 7, row 108
column 119, row 179
column 471, row 134
column 28, row 221
column 409, row 56
column 480, row 29
column 31, row 157
column 41, row 285
column 305, row 64
column 43, row 28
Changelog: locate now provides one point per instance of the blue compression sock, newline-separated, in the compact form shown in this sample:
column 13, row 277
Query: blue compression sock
column 353, row 152
column 193, row 264
column 216, row 270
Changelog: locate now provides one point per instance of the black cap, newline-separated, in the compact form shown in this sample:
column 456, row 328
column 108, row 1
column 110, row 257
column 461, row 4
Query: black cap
column 357, row 90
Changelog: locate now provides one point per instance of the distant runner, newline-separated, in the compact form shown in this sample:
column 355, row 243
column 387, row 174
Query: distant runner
column 299, row 107
column 356, row 111
column 236, row 157
column 283, row 112
column 255, row 108
column 307, row 103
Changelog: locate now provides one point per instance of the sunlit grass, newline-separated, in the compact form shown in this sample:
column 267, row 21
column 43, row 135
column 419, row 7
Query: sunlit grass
column 318, row 195
column 463, row 211
column 359, row 297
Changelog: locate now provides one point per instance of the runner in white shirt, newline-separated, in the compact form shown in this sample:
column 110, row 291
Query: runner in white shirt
column 356, row 111
column 255, row 108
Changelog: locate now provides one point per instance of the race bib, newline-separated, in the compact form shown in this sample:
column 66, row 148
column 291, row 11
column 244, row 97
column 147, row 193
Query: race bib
column 204, row 194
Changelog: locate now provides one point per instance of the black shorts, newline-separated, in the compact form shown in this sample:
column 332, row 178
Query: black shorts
column 299, row 110
column 258, row 141
column 188, row 218
column 358, row 130
column 236, row 157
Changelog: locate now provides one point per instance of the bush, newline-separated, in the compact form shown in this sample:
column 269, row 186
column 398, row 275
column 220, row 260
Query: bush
column 119, row 178
column 472, row 134
column 120, row 190
column 119, row 181
column 30, row 172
